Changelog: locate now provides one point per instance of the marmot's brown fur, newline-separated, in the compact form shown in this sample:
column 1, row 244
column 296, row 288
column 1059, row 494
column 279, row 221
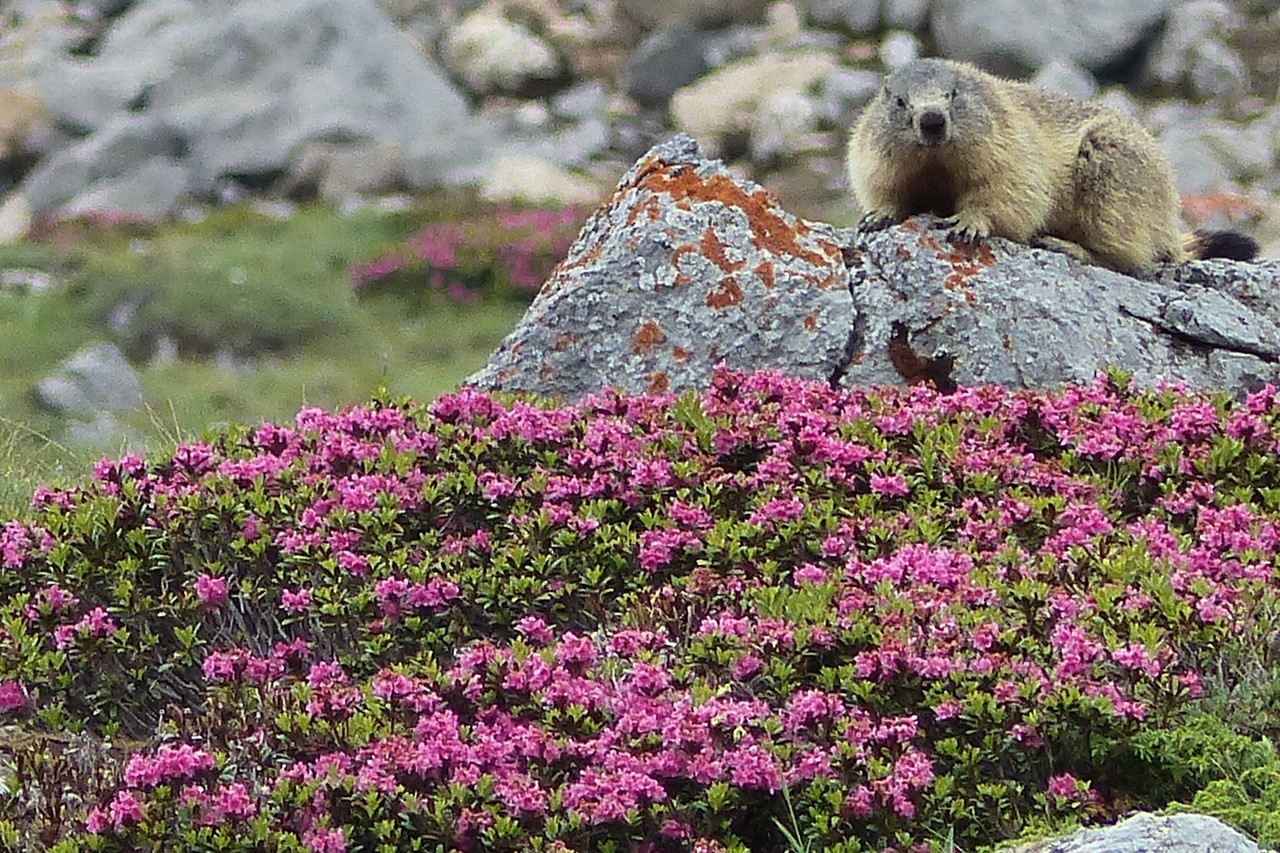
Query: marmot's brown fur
column 1002, row 158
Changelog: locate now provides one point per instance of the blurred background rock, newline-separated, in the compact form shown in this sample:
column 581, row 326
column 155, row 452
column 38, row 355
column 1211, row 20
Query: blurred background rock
column 145, row 107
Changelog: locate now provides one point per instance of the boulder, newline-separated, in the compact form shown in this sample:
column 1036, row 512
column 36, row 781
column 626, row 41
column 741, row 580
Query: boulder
column 907, row 15
column 685, row 266
column 1060, row 75
column 1019, row 36
column 1004, row 314
column 1146, row 833
column 859, row 16
column 682, row 268
column 783, row 126
column 340, row 173
column 213, row 79
column 1193, row 51
column 663, row 62
column 102, row 166
column 706, row 14
column 536, row 180
column 153, row 189
column 491, row 54
column 22, row 116
column 15, row 219
column 96, row 378
column 725, row 101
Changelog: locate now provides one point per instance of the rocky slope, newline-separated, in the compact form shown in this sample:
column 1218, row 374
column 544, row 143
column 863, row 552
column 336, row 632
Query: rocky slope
column 147, row 106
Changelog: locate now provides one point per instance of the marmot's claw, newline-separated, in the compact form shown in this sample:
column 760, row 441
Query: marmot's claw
column 968, row 236
column 968, row 233
column 874, row 221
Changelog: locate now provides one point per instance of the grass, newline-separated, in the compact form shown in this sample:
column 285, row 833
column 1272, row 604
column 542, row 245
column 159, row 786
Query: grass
column 240, row 317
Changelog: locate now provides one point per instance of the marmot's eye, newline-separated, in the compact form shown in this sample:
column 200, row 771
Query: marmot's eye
column 902, row 103
column 955, row 93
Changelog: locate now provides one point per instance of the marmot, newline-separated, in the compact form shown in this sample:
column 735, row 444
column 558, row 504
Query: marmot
column 1001, row 158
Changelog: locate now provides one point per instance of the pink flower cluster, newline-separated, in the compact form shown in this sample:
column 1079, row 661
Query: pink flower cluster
column 94, row 624
column 592, row 615
column 524, row 244
column 169, row 763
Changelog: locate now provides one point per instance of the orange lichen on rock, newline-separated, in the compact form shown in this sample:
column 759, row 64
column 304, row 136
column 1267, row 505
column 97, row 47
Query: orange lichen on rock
column 647, row 338
column 769, row 231
column 965, row 261
column 680, row 354
column 1202, row 207
column 764, row 271
column 564, row 342
column 713, row 249
column 728, row 293
column 659, row 382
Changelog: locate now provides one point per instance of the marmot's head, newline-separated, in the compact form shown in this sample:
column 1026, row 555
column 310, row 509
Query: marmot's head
column 933, row 102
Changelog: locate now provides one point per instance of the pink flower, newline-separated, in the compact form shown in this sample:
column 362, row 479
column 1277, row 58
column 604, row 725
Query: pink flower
column 894, row 486
column 1068, row 787
column 746, row 667
column 211, row 591
column 12, row 696
column 808, row 573
column 95, row 624
column 860, row 802
column 125, row 810
column 649, row 680
column 295, row 601
column 224, row 666
column 322, row 840
column 575, row 652
column 233, row 801
column 659, row 547
column 535, row 630
column 777, row 511
column 356, row 564
column 170, row 762
column 753, row 766
column 96, row 821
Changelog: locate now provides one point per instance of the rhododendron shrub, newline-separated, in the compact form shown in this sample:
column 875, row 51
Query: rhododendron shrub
column 865, row 619
column 504, row 252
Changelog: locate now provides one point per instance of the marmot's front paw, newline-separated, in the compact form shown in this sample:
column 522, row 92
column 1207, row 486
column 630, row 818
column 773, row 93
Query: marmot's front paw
column 876, row 220
column 966, row 228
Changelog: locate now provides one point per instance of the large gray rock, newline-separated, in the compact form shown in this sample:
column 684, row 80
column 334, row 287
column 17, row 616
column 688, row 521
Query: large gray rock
column 96, row 378
column 682, row 268
column 663, row 62
column 215, row 75
column 859, row 16
column 490, row 53
column 1007, row 315
column 1145, row 833
column 725, row 102
column 686, row 266
column 105, row 162
column 151, row 190
column 1018, row 36
column 658, row 14
column 1208, row 155
column 1193, row 51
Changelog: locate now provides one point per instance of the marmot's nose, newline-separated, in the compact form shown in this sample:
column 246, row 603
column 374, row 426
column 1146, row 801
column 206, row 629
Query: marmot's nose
column 933, row 126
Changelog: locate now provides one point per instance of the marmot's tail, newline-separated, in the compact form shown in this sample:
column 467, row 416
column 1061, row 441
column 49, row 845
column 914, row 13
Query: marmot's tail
column 1231, row 245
